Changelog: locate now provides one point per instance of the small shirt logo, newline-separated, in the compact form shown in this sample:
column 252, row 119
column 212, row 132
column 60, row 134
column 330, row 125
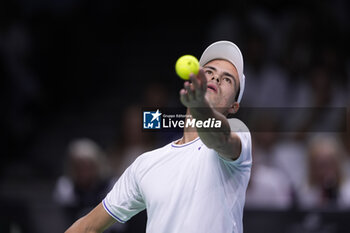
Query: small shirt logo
column 151, row 120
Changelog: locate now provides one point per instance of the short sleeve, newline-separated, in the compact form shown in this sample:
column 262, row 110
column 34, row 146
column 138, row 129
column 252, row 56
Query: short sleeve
column 242, row 131
column 125, row 199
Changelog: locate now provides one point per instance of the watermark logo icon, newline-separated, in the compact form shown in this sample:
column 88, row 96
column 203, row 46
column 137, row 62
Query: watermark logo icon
column 152, row 119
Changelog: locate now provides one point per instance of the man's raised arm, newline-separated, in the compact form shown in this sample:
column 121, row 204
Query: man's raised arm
column 222, row 140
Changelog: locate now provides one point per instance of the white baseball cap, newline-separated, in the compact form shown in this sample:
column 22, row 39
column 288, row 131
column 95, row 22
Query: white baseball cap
column 226, row 50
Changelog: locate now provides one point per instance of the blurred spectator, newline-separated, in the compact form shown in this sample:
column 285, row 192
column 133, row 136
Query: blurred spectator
column 318, row 101
column 269, row 187
column 265, row 138
column 85, row 184
column 326, row 185
column 290, row 157
column 131, row 141
column 264, row 77
column 320, row 89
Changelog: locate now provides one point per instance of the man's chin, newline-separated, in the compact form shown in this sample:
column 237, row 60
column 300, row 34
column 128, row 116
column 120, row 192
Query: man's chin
column 211, row 98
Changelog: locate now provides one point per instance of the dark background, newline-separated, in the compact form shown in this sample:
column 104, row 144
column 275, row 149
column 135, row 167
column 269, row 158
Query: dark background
column 68, row 69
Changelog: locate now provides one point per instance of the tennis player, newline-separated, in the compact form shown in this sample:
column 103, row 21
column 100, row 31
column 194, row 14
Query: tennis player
column 196, row 184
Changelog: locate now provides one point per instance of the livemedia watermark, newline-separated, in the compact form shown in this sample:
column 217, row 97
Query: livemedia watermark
column 313, row 119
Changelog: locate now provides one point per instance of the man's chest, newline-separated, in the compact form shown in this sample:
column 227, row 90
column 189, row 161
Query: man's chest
column 181, row 179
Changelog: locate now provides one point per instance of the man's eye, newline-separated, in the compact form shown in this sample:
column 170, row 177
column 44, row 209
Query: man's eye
column 208, row 72
column 227, row 80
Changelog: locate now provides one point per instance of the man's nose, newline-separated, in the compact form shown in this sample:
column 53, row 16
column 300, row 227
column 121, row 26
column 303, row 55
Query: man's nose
column 216, row 78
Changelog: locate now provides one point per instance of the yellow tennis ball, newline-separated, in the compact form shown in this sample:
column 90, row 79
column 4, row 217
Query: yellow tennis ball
column 186, row 65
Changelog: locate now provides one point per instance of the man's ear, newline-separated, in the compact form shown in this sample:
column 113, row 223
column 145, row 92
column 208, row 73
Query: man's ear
column 234, row 108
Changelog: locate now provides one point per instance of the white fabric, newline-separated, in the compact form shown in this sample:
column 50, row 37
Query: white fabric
column 185, row 188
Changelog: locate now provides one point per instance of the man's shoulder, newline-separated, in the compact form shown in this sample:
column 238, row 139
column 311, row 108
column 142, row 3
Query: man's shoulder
column 146, row 161
column 237, row 125
column 152, row 154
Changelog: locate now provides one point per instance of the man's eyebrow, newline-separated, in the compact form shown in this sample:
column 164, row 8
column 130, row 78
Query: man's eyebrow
column 225, row 73
column 230, row 75
column 210, row 67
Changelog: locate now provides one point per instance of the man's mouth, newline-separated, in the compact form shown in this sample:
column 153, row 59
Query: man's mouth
column 212, row 87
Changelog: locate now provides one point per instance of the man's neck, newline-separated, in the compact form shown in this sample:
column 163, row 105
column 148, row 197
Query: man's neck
column 190, row 133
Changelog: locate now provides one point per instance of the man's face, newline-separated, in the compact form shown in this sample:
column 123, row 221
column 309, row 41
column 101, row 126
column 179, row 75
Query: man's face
column 223, row 85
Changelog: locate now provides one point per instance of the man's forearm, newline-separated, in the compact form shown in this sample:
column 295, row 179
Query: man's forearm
column 94, row 222
column 79, row 227
column 213, row 137
column 222, row 140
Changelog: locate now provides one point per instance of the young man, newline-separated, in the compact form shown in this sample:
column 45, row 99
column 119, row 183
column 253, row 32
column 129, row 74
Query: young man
column 197, row 183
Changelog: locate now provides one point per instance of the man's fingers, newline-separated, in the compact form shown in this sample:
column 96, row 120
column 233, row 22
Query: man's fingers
column 190, row 90
column 184, row 97
column 195, row 81
column 199, row 93
column 193, row 93
column 203, row 79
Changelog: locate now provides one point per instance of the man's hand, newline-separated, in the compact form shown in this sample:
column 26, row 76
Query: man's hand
column 193, row 94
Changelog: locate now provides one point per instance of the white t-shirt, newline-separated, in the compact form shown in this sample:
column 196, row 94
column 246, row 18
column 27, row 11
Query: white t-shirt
column 185, row 188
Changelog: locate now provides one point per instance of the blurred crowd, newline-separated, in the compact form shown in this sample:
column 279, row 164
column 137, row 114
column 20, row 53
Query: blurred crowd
column 294, row 57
